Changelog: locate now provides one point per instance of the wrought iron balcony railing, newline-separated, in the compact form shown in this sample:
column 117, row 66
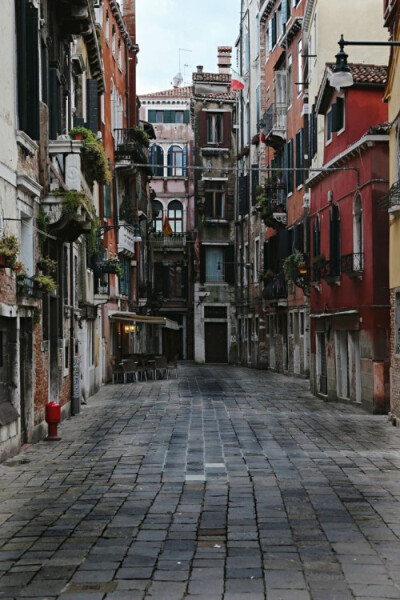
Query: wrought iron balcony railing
column 352, row 264
column 175, row 240
column 276, row 288
column 131, row 144
column 275, row 128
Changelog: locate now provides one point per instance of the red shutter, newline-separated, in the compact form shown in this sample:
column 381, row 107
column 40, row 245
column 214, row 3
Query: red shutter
column 203, row 128
column 227, row 129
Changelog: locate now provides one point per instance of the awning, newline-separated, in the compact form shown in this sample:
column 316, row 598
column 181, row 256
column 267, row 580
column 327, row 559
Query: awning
column 132, row 317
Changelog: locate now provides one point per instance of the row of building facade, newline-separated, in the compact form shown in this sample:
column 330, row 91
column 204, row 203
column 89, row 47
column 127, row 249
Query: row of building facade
column 255, row 227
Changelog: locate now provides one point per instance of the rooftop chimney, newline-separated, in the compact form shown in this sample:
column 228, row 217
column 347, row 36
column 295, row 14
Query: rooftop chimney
column 224, row 59
column 199, row 68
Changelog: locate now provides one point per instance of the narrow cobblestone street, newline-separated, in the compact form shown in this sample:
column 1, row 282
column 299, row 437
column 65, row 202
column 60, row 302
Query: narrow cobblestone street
column 223, row 484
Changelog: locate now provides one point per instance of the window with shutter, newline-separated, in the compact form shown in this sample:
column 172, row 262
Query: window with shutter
column 338, row 115
column 299, row 158
column 28, row 68
column 175, row 161
column 151, row 116
column 107, row 201
column 334, row 241
column 157, row 160
column 92, row 105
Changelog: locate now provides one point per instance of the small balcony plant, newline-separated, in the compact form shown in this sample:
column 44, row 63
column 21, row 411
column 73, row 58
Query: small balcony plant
column 94, row 161
column 45, row 283
column 9, row 248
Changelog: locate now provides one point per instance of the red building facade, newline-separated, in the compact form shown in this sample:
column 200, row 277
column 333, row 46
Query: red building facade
column 349, row 299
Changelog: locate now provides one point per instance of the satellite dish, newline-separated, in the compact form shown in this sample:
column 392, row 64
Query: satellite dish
column 177, row 80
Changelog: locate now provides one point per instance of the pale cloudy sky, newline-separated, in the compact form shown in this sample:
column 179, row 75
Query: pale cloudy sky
column 165, row 26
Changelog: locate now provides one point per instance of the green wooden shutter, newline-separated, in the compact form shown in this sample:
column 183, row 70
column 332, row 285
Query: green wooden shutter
column 54, row 103
column 28, row 68
column 185, row 151
column 151, row 116
column 186, row 116
column 107, row 201
column 92, row 105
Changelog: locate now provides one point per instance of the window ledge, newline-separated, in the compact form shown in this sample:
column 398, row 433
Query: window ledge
column 26, row 143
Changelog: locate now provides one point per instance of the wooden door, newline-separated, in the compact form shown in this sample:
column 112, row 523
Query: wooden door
column 216, row 343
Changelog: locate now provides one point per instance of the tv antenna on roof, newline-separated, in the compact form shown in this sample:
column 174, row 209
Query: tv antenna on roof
column 178, row 79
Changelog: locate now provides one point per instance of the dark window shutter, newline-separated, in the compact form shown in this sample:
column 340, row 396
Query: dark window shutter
column 107, row 201
column 185, row 149
column 226, row 129
column 255, row 178
column 186, row 116
column 337, row 115
column 273, row 24
column 299, row 237
column 203, row 128
column 28, row 68
column 169, row 116
column 334, row 241
column 184, row 281
column 315, row 132
column 54, row 103
column 243, row 195
column 289, row 150
column 158, row 277
column 151, row 116
column 284, row 248
column 229, row 265
column 299, row 158
column 266, row 256
column 92, row 105
column 202, row 264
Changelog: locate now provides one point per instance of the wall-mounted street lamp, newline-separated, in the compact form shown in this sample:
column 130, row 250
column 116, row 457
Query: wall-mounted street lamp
column 341, row 76
column 130, row 328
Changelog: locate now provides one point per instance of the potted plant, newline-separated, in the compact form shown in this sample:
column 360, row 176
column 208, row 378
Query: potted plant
column 94, row 161
column 9, row 248
column 47, row 264
column 45, row 283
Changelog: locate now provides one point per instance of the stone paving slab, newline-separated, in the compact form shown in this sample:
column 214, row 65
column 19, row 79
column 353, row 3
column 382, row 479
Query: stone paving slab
column 223, row 484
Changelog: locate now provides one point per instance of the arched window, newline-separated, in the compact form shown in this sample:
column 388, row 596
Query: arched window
column 157, row 160
column 175, row 216
column 175, row 161
column 157, row 211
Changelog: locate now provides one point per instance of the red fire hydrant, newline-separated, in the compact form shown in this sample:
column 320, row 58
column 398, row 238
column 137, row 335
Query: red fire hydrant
column 53, row 417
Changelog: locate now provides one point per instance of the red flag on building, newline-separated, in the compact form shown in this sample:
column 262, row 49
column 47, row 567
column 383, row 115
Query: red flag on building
column 166, row 228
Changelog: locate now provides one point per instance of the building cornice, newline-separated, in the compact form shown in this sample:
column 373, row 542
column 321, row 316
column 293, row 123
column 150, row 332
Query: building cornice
column 344, row 157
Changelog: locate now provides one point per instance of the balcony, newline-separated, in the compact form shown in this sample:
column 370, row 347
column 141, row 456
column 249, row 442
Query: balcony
column 275, row 125
column 127, row 237
column 393, row 198
column 131, row 145
column 69, row 214
column 27, row 288
column 275, row 289
column 175, row 241
column 271, row 204
column 329, row 270
column 352, row 264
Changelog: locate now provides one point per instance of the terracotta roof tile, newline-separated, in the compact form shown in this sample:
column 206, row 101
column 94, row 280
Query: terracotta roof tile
column 367, row 74
column 176, row 92
column 216, row 96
